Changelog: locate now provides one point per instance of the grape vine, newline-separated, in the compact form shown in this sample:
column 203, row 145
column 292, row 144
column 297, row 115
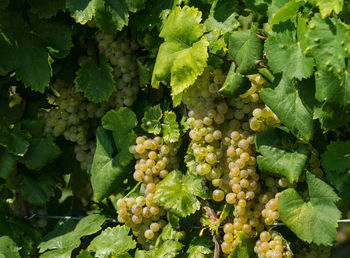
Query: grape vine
column 185, row 128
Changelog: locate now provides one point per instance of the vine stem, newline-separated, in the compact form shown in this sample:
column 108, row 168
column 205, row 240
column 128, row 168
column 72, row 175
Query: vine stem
column 223, row 58
column 262, row 37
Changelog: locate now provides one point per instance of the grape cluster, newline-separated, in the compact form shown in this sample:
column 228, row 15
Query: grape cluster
column 154, row 160
column 262, row 115
column 272, row 245
column 121, row 55
column 143, row 216
column 74, row 117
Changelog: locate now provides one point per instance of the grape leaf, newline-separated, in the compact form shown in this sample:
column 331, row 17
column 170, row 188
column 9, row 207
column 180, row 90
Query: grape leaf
column 37, row 190
column 245, row 249
column 327, row 6
column 8, row 248
column 151, row 120
column 314, row 220
column 83, row 10
column 7, row 163
column 66, row 236
column 285, row 102
column 46, row 9
column 113, row 15
column 121, row 123
column 107, row 174
column 168, row 233
column 275, row 6
column 169, row 249
column 222, row 17
column 200, row 247
column 183, row 54
column 170, row 127
column 328, row 43
column 246, row 48
column 22, row 46
column 41, row 152
column 334, row 94
column 114, row 241
column 278, row 156
column 95, row 81
column 336, row 157
column 179, row 196
column 286, row 12
column 235, row 84
column 285, row 51
column 15, row 141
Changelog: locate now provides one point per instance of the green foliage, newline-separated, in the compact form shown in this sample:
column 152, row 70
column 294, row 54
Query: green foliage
column 178, row 193
column 285, row 50
column 66, row 236
column 8, row 248
column 151, row 120
column 22, row 47
column 235, row 83
column 7, row 163
column 46, row 9
column 279, row 156
column 121, row 123
column 246, row 48
column 286, row 12
column 169, row 249
column 183, row 54
column 327, row 6
column 285, row 101
column 336, row 157
column 200, row 247
column 114, row 241
column 314, row 220
column 90, row 79
column 170, row 127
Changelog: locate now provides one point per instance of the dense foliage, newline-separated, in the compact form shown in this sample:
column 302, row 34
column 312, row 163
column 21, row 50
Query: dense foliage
column 184, row 128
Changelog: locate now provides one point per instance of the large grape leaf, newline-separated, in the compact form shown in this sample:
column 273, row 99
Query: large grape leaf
column 35, row 189
column 8, row 248
column 337, row 157
column 95, row 81
column 246, row 48
column 170, row 127
column 278, row 155
column 41, row 152
column 285, row 50
column 328, row 43
column 151, row 120
column 121, row 123
column 284, row 100
column 169, row 249
column 24, row 44
column 66, row 236
column 180, row 195
column 114, row 241
column 235, row 83
column 7, row 163
column 259, row 6
column 183, row 54
column 107, row 174
column 14, row 140
column 46, row 9
column 314, row 220
column 222, row 17
column 327, row 6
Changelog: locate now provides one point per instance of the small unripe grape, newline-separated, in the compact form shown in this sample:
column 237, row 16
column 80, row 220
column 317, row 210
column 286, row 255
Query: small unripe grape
column 231, row 198
column 228, row 237
column 154, row 227
column 225, row 247
column 228, row 228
